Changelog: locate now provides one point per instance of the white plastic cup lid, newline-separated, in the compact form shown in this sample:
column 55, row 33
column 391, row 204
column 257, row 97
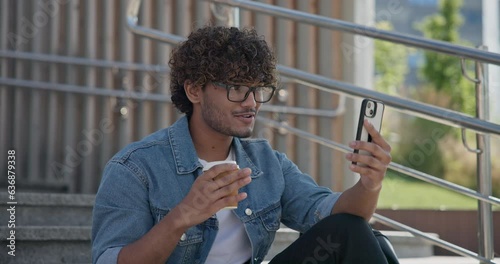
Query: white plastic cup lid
column 214, row 163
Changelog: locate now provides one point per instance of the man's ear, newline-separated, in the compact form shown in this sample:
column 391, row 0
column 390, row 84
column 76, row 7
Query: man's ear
column 193, row 92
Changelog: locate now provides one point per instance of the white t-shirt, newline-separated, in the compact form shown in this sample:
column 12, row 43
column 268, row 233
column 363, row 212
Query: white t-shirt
column 231, row 244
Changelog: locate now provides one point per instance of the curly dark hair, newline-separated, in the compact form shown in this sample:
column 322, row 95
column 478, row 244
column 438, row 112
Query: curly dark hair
column 222, row 54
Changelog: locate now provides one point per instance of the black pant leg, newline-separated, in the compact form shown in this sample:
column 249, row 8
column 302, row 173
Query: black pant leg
column 339, row 239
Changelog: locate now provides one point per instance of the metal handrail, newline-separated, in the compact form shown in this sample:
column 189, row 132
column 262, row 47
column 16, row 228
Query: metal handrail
column 433, row 240
column 394, row 166
column 326, row 22
column 273, row 108
column 386, row 221
column 97, row 91
column 322, row 83
column 430, row 112
column 434, row 113
column 10, row 54
column 155, row 97
column 423, row 110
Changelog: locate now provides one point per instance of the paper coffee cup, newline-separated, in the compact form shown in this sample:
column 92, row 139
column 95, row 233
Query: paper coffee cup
column 211, row 164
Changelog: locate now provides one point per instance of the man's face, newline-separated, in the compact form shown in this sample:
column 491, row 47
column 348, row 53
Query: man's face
column 226, row 117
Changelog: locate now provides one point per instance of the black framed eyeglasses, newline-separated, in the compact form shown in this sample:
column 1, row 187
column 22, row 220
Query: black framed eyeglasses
column 239, row 93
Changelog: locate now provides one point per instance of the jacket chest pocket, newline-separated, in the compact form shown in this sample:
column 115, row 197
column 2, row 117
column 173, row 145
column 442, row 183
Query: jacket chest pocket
column 188, row 247
column 263, row 230
column 191, row 236
column 271, row 217
column 158, row 213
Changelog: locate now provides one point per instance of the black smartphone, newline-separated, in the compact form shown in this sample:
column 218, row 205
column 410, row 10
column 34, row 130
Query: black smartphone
column 373, row 111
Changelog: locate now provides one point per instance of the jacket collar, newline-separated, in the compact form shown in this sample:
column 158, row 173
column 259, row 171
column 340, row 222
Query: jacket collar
column 184, row 152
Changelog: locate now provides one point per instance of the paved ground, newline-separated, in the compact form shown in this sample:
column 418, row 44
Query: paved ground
column 437, row 260
column 441, row 260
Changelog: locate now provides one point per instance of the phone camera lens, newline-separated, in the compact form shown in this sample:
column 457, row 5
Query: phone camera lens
column 369, row 105
column 371, row 112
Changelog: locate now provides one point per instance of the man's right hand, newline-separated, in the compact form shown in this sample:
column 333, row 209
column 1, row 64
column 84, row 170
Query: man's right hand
column 207, row 196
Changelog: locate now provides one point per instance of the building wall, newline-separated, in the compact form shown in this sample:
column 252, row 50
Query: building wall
column 63, row 127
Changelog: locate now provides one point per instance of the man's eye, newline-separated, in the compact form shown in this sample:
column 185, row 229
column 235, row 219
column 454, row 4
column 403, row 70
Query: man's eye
column 237, row 88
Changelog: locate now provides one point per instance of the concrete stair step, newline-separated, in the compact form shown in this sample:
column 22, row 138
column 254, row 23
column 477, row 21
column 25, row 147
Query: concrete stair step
column 49, row 209
column 48, row 225
column 46, row 244
column 443, row 260
column 436, row 260
column 284, row 237
column 71, row 244
column 408, row 246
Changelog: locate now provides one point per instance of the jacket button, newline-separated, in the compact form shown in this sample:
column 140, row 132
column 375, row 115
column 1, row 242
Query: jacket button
column 183, row 237
column 248, row 211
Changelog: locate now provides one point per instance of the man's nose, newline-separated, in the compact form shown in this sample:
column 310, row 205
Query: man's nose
column 250, row 101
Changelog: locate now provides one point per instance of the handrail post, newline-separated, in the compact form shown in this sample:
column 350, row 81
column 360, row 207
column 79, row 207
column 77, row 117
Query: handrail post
column 485, row 221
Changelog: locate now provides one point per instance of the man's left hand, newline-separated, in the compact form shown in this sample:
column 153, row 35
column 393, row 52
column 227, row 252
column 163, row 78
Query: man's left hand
column 374, row 166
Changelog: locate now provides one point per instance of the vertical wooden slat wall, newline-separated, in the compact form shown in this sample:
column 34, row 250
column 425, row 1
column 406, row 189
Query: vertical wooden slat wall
column 109, row 80
column 56, row 99
column 283, row 38
column 21, row 136
column 67, row 170
column 313, row 50
column 90, row 104
column 144, row 55
column 64, row 139
column 165, row 112
column 6, row 94
column 34, row 104
column 328, row 41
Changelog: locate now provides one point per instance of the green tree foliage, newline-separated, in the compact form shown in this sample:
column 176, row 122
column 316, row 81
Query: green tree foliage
column 442, row 85
column 391, row 67
column 390, row 63
column 425, row 145
column 443, row 71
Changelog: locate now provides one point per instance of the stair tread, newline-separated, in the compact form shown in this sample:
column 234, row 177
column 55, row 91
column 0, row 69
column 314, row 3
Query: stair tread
column 43, row 233
column 50, row 199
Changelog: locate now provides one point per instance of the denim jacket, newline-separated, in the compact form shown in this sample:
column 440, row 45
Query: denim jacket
column 148, row 178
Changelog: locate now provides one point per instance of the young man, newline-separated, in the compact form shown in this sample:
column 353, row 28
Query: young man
column 156, row 204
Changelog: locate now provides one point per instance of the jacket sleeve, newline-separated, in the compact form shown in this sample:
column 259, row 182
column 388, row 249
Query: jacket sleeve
column 304, row 203
column 121, row 212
